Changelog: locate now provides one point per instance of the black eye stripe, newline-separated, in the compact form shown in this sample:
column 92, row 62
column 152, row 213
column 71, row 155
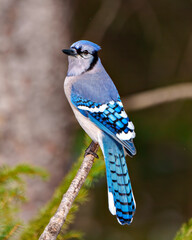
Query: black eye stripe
column 85, row 52
column 79, row 51
column 94, row 61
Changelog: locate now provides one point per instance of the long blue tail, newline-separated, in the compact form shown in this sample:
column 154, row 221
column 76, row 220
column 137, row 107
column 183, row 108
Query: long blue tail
column 120, row 195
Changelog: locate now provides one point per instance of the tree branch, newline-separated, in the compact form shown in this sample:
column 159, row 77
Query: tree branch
column 135, row 102
column 151, row 98
column 56, row 222
column 158, row 96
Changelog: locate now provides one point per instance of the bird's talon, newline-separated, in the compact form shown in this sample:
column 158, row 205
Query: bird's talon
column 87, row 152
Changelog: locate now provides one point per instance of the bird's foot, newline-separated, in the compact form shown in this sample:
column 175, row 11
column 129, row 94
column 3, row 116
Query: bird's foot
column 90, row 151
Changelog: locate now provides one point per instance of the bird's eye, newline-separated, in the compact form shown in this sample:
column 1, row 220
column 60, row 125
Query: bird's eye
column 85, row 52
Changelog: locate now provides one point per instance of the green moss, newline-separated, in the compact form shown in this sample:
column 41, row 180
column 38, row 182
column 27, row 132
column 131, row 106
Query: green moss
column 12, row 194
column 36, row 226
column 185, row 233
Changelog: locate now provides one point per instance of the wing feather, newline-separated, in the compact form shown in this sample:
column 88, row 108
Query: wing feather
column 109, row 117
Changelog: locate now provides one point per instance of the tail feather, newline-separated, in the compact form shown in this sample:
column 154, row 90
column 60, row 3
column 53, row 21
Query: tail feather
column 130, row 147
column 120, row 195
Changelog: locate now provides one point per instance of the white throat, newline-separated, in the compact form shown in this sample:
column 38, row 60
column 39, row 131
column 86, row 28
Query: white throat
column 77, row 66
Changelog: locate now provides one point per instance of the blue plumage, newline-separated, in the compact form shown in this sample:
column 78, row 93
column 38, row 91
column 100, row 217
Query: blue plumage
column 109, row 119
column 102, row 92
column 92, row 46
column 118, row 180
column 99, row 110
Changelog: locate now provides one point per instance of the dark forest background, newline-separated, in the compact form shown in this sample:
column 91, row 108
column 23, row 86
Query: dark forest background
column 146, row 45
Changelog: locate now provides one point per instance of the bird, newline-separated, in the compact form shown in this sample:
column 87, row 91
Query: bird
column 98, row 108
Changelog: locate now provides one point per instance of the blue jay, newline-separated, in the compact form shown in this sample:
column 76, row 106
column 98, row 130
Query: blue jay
column 97, row 106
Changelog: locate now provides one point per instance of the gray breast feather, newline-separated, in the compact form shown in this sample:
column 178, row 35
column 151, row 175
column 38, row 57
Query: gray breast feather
column 97, row 87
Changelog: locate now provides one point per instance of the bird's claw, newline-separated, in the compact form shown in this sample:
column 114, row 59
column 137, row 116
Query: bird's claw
column 89, row 151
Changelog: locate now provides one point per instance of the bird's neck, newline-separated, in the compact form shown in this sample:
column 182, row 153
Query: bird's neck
column 76, row 68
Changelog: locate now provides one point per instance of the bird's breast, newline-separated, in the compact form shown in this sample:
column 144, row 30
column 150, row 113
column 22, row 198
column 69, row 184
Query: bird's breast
column 68, row 83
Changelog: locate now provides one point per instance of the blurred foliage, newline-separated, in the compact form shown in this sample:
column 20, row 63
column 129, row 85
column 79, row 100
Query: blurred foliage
column 185, row 233
column 12, row 191
column 147, row 45
column 36, row 226
column 12, row 194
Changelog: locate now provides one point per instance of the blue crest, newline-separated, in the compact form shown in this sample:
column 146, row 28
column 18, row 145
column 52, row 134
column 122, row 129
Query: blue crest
column 84, row 44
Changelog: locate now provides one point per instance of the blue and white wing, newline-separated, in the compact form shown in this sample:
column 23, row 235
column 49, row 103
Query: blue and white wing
column 111, row 118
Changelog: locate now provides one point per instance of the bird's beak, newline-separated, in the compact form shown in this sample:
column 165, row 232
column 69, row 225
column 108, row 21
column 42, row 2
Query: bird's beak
column 70, row 52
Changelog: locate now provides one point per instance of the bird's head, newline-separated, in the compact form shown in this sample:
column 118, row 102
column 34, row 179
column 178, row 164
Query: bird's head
column 83, row 56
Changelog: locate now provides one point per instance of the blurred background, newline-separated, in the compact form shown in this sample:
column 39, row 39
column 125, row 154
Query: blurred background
column 146, row 45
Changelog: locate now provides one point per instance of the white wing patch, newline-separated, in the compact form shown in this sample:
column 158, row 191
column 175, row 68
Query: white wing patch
column 100, row 109
column 126, row 136
column 123, row 114
column 120, row 104
column 112, row 207
column 95, row 109
column 131, row 126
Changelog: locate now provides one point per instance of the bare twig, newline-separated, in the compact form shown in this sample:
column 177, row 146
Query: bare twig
column 151, row 98
column 158, row 96
column 56, row 222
